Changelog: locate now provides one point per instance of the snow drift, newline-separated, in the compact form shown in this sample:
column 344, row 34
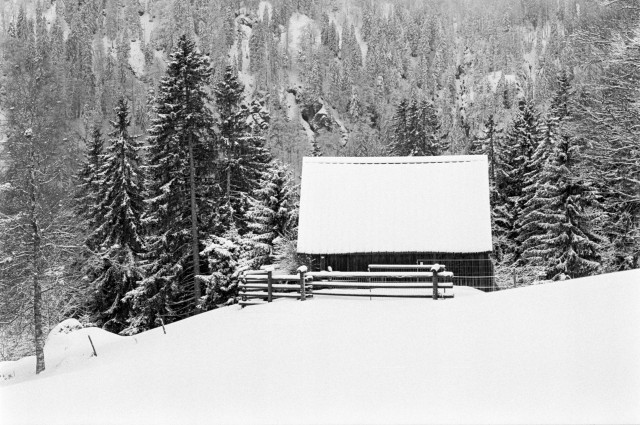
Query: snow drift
column 565, row 352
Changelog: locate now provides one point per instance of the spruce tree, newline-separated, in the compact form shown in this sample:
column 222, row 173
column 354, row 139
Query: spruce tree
column 118, row 228
column 549, row 137
column 242, row 129
column 227, row 257
column 86, row 197
column 272, row 214
column 515, row 169
column 316, row 150
column 401, row 130
column 486, row 144
column 415, row 130
column 564, row 208
column 181, row 190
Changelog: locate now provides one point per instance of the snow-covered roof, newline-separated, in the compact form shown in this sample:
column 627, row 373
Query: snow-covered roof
column 395, row 204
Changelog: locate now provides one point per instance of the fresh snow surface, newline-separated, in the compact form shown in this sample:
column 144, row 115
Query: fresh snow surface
column 136, row 58
column 262, row 6
column 397, row 204
column 148, row 25
column 565, row 352
column 297, row 24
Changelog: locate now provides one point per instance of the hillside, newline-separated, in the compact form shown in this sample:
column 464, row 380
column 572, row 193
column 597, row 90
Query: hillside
column 334, row 70
column 564, row 352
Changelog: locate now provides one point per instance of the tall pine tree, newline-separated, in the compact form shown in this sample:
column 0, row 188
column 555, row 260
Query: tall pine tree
column 88, row 181
column 242, row 129
column 118, row 227
column 516, row 168
column 182, row 159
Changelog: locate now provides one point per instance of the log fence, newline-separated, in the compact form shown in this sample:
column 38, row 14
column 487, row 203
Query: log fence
column 263, row 286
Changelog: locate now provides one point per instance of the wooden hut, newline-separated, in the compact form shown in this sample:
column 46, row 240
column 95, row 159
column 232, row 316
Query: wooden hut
column 398, row 210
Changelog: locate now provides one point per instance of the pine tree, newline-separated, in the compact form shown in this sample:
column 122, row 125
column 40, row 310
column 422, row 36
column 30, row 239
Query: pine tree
column 549, row 136
column 118, row 229
column 415, row 130
column 316, row 150
column 563, row 207
column 227, row 257
column 516, row 168
column 272, row 213
column 182, row 158
column 88, row 182
column 242, row 129
column 486, row 145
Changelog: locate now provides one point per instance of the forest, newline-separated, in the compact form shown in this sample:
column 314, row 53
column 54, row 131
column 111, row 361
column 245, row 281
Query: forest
column 150, row 150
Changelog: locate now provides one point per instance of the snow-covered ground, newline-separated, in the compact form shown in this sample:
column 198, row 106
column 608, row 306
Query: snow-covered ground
column 566, row 352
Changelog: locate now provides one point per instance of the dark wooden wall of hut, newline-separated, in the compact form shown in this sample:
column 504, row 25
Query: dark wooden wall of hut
column 473, row 269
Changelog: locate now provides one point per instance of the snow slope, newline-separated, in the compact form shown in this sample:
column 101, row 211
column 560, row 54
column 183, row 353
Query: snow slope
column 565, row 352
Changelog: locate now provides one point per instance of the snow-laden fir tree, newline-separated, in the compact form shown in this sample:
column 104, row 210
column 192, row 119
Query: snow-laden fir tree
column 416, row 130
column 181, row 189
column 548, row 134
column 486, row 144
column 88, row 179
column 118, row 227
column 511, row 179
column 227, row 256
column 272, row 215
column 563, row 207
column 242, row 137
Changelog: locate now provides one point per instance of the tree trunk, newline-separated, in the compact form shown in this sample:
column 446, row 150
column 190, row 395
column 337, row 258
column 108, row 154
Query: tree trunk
column 36, row 257
column 197, row 293
column 229, row 183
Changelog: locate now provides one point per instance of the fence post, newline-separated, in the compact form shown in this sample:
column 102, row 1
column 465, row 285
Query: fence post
column 92, row 346
column 434, row 274
column 162, row 322
column 269, row 286
column 302, row 289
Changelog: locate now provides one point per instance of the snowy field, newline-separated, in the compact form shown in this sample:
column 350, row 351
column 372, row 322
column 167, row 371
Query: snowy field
column 566, row 352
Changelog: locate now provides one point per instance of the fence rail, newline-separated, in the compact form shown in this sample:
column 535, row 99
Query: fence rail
column 259, row 287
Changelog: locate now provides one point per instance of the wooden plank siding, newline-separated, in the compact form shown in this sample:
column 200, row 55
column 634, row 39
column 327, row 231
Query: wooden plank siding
column 472, row 269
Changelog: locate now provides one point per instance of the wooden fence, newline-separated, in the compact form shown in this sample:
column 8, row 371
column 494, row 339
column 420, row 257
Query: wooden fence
column 343, row 283
column 262, row 286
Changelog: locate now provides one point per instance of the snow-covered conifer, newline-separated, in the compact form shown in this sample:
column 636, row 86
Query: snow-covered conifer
column 563, row 208
column 181, row 189
column 515, row 169
column 242, row 130
column 273, row 213
column 86, row 197
column 416, row 130
column 118, row 227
